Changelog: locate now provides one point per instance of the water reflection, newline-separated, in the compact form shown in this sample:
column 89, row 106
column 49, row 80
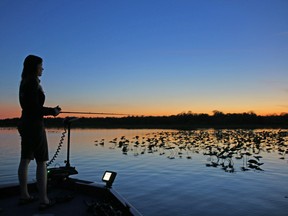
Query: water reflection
column 229, row 150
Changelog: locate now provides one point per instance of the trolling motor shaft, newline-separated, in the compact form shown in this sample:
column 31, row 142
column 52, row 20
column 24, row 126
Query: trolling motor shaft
column 68, row 121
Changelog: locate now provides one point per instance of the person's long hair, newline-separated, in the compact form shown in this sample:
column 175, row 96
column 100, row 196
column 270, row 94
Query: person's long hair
column 30, row 67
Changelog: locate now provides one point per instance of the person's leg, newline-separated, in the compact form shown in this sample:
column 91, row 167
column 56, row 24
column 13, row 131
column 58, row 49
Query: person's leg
column 23, row 178
column 41, row 175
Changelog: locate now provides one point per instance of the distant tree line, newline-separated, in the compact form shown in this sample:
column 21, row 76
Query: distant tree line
column 181, row 121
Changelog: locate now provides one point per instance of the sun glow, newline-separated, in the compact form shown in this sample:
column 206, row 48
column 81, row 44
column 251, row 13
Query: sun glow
column 10, row 111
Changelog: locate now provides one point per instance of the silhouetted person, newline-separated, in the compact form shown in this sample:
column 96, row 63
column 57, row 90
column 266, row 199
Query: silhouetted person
column 32, row 131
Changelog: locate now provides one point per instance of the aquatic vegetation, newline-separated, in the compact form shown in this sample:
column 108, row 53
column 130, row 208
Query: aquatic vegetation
column 222, row 148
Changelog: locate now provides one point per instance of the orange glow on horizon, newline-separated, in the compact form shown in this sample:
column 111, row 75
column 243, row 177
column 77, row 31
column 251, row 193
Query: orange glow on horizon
column 9, row 111
column 15, row 112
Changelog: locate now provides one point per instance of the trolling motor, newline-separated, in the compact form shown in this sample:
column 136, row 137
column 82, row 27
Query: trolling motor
column 62, row 173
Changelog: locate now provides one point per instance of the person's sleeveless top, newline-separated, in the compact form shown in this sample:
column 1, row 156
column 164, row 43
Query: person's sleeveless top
column 32, row 98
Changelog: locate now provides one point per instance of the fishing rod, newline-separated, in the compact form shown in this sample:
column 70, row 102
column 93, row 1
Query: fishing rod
column 93, row 113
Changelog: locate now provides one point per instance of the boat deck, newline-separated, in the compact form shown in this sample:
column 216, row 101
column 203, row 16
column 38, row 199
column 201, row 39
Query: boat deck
column 73, row 198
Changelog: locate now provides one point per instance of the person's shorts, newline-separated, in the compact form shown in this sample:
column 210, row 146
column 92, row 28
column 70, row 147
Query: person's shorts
column 33, row 141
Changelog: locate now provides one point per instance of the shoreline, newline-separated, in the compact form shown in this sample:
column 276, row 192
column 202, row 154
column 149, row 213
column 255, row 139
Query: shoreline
column 178, row 122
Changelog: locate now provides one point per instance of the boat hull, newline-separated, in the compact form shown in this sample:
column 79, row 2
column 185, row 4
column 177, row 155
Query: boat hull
column 73, row 197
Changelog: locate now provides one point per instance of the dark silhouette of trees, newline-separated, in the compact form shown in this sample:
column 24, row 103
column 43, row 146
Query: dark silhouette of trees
column 183, row 120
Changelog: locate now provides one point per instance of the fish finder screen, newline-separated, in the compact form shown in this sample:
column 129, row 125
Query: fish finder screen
column 107, row 176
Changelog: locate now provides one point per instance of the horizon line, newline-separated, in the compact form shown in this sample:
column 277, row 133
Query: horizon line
column 182, row 113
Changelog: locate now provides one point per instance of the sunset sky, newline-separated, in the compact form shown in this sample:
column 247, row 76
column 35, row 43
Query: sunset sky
column 149, row 57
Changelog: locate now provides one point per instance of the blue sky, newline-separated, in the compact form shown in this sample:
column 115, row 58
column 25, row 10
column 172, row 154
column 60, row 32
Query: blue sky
column 147, row 57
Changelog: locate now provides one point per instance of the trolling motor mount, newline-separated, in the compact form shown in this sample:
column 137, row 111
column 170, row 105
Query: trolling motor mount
column 62, row 173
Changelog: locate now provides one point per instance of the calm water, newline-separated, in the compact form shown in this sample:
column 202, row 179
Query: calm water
column 169, row 172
